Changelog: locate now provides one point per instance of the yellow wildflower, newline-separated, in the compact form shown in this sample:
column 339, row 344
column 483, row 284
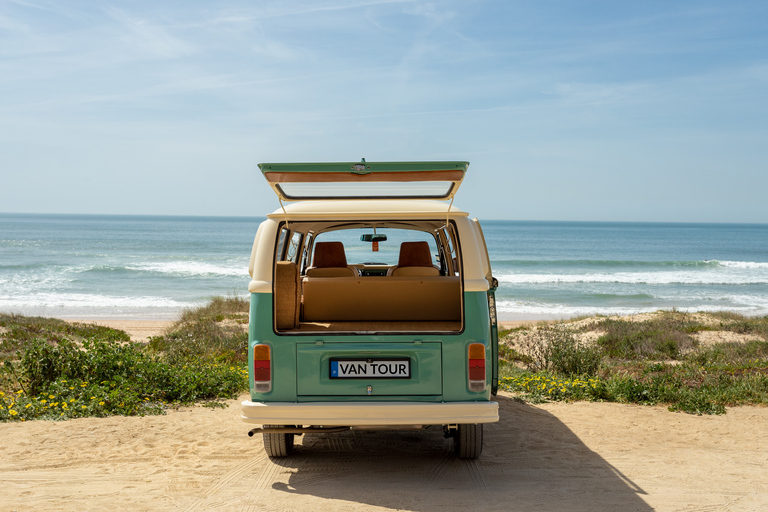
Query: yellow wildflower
column 13, row 413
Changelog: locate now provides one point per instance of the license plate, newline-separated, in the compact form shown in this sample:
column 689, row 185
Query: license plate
column 371, row 368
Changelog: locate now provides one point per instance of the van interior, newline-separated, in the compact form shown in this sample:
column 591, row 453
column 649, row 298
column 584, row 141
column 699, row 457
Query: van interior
column 392, row 276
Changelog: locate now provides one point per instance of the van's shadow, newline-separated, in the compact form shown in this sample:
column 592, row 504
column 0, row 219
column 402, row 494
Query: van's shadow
column 530, row 459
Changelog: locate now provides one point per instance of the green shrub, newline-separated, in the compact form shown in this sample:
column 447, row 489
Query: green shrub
column 643, row 370
column 61, row 372
column 20, row 330
column 660, row 338
column 731, row 353
column 508, row 354
column 135, row 373
column 556, row 349
column 216, row 331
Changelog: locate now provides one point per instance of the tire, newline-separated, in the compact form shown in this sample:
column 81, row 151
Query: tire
column 468, row 441
column 277, row 445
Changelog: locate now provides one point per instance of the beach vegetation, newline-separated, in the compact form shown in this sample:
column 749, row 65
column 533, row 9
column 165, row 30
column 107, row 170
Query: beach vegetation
column 18, row 330
column 216, row 330
column 555, row 349
column 55, row 370
column 654, row 361
column 665, row 336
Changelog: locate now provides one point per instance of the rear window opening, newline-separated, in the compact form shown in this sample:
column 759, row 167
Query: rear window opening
column 368, row 190
column 367, row 278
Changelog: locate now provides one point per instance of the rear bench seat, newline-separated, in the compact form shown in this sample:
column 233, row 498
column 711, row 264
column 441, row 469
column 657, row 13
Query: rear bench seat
column 394, row 298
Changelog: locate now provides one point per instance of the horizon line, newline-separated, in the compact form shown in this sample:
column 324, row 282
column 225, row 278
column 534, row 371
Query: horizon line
column 200, row 216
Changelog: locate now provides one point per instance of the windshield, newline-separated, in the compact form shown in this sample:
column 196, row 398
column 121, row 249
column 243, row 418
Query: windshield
column 388, row 253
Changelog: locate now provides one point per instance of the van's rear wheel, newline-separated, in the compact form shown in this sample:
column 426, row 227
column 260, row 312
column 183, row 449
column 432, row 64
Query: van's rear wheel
column 468, row 441
column 277, row 445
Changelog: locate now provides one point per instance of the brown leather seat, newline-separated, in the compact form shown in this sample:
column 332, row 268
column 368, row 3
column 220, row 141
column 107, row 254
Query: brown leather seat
column 329, row 260
column 415, row 260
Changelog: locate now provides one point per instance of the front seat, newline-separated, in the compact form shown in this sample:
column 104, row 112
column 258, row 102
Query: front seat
column 415, row 260
column 329, row 260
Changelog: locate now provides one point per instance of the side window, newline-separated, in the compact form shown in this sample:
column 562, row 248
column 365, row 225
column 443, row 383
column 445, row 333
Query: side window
column 449, row 245
column 281, row 244
column 293, row 247
column 305, row 253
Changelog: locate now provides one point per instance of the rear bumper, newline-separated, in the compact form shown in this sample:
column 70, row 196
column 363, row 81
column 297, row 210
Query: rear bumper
column 368, row 413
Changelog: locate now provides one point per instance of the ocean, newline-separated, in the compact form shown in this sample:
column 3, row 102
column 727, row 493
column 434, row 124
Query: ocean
column 152, row 267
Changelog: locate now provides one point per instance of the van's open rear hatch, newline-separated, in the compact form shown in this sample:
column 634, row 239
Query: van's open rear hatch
column 365, row 180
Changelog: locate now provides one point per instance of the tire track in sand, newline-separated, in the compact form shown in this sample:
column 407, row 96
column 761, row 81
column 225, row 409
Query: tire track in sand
column 227, row 479
column 268, row 476
column 437, row 472
column 477, row 477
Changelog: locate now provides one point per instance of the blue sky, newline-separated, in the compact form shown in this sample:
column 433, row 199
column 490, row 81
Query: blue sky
column 567, row 110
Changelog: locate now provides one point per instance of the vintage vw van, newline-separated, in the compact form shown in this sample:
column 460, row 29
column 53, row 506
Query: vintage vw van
column 372, row 306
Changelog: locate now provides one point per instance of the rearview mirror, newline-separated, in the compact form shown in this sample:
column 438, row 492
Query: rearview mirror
column 373, row 238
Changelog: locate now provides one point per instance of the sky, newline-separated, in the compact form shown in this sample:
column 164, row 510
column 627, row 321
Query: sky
column 650, row 111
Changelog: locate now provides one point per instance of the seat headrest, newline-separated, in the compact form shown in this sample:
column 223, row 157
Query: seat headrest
column 415, row 254
column 329, row 254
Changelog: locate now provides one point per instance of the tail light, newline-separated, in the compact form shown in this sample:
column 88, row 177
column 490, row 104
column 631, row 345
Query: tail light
column 262, row 368
column 476, row 356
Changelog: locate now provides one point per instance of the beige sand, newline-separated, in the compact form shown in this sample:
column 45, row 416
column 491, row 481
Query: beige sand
column 138, row 330
column 569, row 457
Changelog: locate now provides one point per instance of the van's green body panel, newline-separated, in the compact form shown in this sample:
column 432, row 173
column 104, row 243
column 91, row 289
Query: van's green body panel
column 425, row 369
column 300, row 362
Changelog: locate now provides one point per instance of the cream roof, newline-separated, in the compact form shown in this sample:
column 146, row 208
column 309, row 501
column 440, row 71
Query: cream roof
column 360, row 210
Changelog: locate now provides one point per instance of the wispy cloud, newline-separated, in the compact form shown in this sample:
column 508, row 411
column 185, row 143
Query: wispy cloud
column 12, row 25
column 271, row 10
column 148, row 36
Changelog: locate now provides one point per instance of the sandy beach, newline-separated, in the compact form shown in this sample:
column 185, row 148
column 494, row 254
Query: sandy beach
column 569, row 457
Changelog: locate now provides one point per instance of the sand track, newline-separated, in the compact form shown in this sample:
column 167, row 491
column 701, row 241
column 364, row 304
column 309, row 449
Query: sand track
column 569, row 457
